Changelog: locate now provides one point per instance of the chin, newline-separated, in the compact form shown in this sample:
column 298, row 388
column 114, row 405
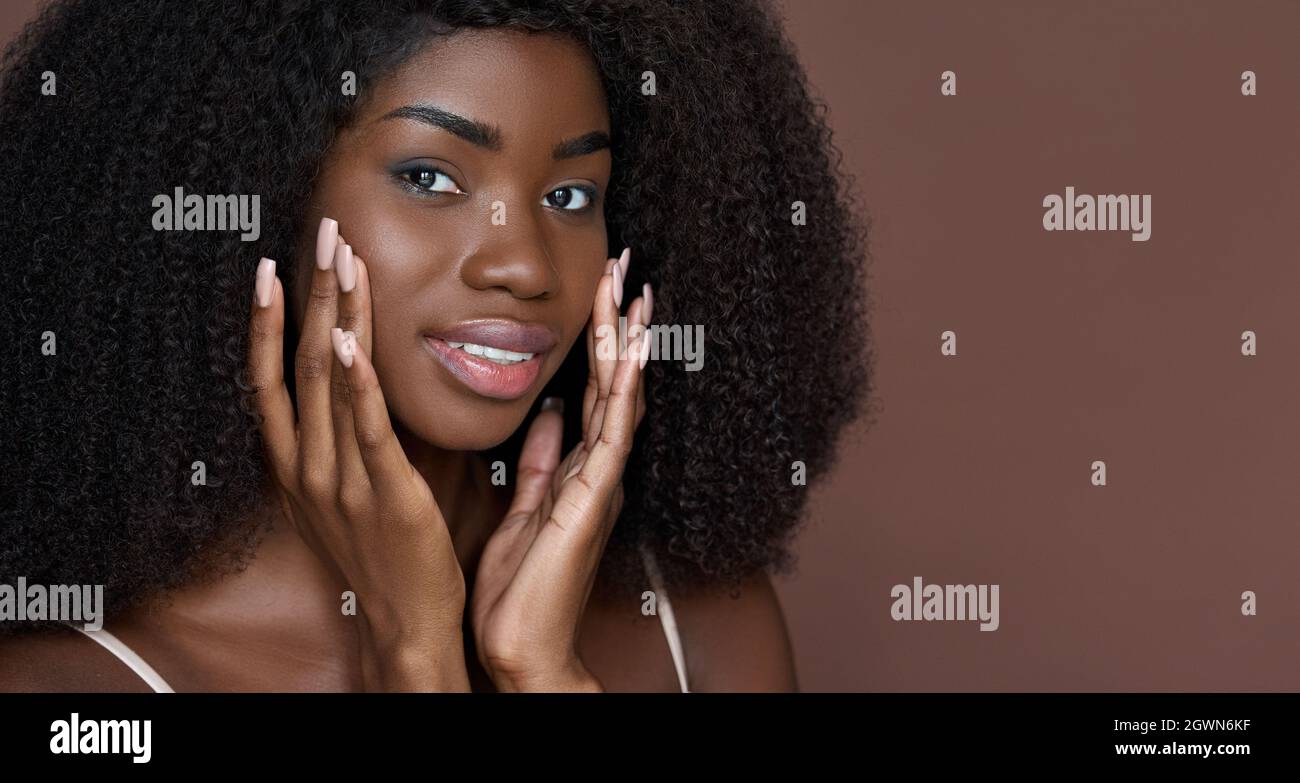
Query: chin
column 452, row 422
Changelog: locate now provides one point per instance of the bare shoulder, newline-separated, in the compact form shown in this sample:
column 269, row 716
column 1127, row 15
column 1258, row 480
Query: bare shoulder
column 62, row 661
column 735, row 640
column 732, row 641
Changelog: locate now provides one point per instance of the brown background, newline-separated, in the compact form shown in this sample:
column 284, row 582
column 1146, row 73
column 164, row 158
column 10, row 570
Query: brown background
column 1072, row 347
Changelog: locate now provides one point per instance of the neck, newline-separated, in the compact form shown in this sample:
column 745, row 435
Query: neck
column 460, row 481
column 285, row 573
column 455, row 478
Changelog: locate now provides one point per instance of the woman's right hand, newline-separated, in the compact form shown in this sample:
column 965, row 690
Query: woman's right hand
column 345, row 482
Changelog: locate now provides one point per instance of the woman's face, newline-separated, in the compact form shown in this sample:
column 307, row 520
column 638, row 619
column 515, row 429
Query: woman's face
column 472, row 185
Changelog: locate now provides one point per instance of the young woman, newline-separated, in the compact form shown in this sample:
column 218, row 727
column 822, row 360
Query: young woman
column 405, row 428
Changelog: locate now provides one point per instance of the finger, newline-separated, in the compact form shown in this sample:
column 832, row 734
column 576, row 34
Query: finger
column 387, row 467
column 352, row 298
column 538, row 461
column 605, row 312
column 266, row 372
column 648, row 294
column 572, row 539
column 580, row 507
column 603, row 469
column 364, row 306
column 647, row 314
column 313, row 366
column 589, row 393
column 635, row 329
column 640, row 401
column 593, row 383
column 539, row 458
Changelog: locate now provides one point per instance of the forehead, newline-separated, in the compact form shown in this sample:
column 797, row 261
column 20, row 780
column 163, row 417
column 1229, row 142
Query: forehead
column 525, row 83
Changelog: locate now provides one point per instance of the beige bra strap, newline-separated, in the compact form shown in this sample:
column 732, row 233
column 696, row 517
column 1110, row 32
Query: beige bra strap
column 663, row 606
column 128, row 656
column 665, row 610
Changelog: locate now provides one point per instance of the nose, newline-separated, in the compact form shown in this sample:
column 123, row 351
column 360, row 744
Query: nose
column 513, row 257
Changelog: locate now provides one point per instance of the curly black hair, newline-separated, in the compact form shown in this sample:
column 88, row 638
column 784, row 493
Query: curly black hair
column 129, row 343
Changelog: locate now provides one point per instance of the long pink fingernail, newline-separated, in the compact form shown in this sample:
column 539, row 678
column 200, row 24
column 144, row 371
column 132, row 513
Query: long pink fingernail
column 265, row 282
column 648, row 307
column 625, row 260
column 327, row 239
column 345, row 345
column 618, row 286
column 345, row 266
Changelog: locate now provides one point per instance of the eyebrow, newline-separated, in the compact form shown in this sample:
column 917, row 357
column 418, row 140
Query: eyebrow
column 489, row 137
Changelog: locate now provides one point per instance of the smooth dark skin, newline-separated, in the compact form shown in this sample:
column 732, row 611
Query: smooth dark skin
column 433, row 261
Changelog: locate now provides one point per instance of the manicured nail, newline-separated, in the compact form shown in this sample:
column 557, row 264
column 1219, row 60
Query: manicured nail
column 345, row 345
column 346, row 268
column 625, row 260
column 610, row 264
column 648, row 307
column 327, row 240
column 618, row 286
column 553, row 404
column 265, row 282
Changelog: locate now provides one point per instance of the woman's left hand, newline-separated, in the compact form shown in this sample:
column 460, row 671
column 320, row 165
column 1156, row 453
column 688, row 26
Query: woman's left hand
column 539, row 566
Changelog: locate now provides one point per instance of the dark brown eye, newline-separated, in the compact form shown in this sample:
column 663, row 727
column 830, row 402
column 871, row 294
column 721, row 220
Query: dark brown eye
column 430, row 179
column 564, row 198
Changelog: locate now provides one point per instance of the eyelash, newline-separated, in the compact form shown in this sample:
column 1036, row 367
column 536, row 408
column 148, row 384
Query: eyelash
column 586, row 190
column 404, row 176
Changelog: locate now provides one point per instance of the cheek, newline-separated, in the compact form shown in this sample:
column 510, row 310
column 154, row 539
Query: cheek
column 578, row 306
column 400, row 308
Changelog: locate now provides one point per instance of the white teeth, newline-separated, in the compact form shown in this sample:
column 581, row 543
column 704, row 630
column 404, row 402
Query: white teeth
column 497, row 355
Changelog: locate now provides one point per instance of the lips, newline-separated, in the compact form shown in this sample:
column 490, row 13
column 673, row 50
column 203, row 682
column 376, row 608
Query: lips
column 496, row 358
